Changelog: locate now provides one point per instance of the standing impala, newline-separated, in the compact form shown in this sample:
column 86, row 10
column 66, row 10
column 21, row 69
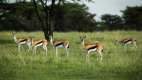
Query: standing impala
column 127, row 41
column 38, row 43
column 60, row 44
column 21, row 41
column 92, row 47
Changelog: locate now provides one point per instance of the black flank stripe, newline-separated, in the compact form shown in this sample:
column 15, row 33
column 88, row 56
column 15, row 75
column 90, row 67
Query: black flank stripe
column 59, row 44
column 93, row 47
column 127, row 41
column 38, row 42
column 23, row 40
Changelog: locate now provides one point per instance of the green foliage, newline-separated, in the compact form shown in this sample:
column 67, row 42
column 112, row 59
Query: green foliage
column 133, row 17
column 3, row 1
column 68, row 17
column 75, row 17
column 112, row 22
column 119, row 63
column 131, row 20
column 20, row 16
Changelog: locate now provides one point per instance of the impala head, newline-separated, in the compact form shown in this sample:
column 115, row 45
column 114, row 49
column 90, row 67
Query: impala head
column 13, row 33
column 14, row 36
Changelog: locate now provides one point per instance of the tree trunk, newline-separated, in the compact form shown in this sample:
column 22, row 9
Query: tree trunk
column 45, row 22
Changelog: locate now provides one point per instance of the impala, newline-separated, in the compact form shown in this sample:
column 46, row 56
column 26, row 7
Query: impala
column 38, row 43
column 92, row 47
column 127, row 41
column 60, row 44
column 21, row 41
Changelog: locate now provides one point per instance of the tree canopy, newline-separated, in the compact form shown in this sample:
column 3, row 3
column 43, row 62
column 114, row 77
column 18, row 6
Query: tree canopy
column 133, row 17
column 112, row 22
column 69, row 17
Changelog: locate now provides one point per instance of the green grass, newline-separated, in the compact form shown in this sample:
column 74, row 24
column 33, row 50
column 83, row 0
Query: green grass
column 119, row 63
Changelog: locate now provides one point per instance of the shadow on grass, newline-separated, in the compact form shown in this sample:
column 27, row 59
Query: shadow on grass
column 5, row 41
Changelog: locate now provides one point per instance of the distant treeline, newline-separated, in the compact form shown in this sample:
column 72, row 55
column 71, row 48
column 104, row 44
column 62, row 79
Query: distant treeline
column 69, row 17
column 131, row 19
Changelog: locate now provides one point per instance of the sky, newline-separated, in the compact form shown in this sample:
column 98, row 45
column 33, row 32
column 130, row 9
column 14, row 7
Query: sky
column 101, row 7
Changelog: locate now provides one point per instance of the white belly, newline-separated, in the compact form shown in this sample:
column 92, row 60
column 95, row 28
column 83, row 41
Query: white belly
column 22, row 42
column 60, row 46
column 92, row 50
column 39, row 45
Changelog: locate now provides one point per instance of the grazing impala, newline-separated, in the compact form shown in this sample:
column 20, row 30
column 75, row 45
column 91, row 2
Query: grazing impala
column 127, row 41
column 60, row 44
column 38, row 43
column 21, row 41
column 92, row 47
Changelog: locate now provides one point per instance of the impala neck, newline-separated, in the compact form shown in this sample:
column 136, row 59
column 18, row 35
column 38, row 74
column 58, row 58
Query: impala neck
column 14, row 37
column 83, row 43
column 82, row 38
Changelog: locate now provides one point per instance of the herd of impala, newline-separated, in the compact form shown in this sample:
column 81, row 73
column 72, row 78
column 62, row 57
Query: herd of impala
column 89, row 47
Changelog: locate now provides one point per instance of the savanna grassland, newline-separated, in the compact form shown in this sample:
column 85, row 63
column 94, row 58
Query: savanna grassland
column 119, row 62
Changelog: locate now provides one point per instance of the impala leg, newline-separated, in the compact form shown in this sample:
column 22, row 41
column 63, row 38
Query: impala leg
column 45, row 48
column 29, row 47
column 67, row 51
column 34, row 50
column 88, row 57
column 100, row 55
column 56, row 51
column 135, row 44
column 19, row 47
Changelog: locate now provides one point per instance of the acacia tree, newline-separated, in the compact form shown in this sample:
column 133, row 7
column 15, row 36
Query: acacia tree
column 48, row 21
